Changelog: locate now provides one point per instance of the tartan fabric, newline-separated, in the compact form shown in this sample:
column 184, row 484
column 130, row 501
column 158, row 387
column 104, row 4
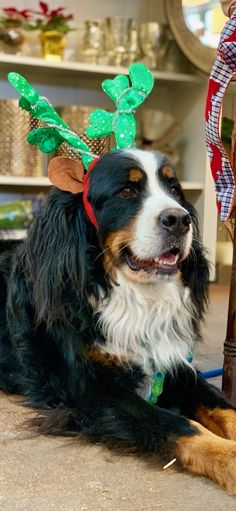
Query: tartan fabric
column 222, row 72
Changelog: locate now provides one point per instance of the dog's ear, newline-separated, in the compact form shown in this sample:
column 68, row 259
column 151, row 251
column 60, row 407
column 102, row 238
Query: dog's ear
column 61, row 259
column 66, row 174
column 195, row 268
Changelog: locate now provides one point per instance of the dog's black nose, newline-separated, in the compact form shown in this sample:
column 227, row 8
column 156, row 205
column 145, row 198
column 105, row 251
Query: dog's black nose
column 175, row 221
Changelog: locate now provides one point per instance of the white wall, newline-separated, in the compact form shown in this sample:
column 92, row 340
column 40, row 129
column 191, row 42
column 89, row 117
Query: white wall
column 142, row 10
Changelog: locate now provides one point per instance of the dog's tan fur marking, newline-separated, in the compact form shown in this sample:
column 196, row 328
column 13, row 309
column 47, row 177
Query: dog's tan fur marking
column 220, row 421
column 114, row 243
column 209, row 455
column 167, row 171
column 105, row 359
column 135, row 175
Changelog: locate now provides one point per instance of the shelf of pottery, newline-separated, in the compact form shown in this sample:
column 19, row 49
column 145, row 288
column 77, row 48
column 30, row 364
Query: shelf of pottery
column 171, row 121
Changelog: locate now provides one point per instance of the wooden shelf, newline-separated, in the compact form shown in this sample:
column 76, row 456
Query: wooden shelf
column 43, row 182
column 33, row 182
column 191, row 185
column 12, row 234
column 22, row 64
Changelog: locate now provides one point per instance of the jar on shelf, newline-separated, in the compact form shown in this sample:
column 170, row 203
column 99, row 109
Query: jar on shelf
column 92, row 47
column 53, row 44
column 12, row 39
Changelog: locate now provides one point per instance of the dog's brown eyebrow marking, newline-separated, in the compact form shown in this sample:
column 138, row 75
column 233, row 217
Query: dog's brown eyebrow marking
column 135, row 175
column 167, row 171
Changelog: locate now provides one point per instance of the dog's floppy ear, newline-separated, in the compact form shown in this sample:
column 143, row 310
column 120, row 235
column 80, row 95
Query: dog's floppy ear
column 66, row 174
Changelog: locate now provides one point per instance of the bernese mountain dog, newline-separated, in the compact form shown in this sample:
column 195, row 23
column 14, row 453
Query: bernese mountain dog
column 97, row 317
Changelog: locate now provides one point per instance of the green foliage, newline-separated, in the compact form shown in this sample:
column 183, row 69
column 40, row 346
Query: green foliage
column 226, row 130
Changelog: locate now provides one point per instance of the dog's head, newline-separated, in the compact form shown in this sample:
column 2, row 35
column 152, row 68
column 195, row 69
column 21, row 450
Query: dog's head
column 143, row 225
column 145, row 229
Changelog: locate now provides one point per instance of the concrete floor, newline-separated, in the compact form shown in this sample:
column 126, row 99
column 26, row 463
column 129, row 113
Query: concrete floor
column 47, row 474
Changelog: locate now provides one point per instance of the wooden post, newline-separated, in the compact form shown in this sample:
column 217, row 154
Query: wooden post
column 229, row 376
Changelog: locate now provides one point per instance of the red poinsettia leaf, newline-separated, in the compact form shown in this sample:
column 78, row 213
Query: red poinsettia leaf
column 44, row 7
column 55, row 12
column 25, row 13
column 10, row 9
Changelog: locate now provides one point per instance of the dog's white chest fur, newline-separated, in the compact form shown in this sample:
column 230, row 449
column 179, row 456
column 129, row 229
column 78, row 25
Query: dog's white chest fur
column 148, row 324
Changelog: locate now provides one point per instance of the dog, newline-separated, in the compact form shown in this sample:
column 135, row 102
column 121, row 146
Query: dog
column 96, row 313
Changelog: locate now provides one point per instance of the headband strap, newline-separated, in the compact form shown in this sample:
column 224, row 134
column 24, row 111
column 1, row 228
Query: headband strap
column 87, row 205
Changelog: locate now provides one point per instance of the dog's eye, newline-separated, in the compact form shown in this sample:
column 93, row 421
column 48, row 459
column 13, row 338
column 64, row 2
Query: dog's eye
column 176, row 191
column 127, row 192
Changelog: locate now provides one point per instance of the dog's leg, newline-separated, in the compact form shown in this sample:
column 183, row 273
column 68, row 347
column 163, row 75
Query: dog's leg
column 125, row 419
column 197, row 399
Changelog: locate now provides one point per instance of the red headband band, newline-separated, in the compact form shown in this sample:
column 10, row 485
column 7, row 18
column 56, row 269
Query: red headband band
column 87, row 205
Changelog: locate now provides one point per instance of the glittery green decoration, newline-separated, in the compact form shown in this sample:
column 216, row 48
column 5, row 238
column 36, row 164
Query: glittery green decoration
column 127, row 98
column 127, row 93
column 56, row 131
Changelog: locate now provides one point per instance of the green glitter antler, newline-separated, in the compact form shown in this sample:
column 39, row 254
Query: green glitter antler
column 56, row 131
column 121, row 123
column 127, row 98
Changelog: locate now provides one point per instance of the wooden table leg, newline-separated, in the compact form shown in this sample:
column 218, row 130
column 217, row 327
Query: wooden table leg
column 229, row 376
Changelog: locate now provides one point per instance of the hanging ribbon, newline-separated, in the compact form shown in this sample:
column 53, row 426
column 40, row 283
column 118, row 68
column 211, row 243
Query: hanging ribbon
column 224, row 68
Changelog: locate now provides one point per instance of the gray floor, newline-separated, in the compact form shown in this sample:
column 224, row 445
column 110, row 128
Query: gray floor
column 56, row 474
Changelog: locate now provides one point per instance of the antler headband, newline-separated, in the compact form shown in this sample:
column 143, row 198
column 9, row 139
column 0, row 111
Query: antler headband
column 127, row 93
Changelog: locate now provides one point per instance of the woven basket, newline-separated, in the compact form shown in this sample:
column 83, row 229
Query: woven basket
column 77, row 118
column 17, row 156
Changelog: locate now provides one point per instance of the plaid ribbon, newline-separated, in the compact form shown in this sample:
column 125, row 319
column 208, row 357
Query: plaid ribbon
column 222, row 72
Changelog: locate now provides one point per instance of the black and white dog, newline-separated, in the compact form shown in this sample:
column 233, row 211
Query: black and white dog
column 89, row 315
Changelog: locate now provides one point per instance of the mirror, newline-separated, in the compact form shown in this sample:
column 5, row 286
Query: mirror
column 205, row 20
column 196, row 25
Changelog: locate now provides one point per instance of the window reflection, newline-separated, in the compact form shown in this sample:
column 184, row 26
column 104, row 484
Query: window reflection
column 205, row 19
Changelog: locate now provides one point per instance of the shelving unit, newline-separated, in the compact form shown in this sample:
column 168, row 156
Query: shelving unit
column 13, row 234
column 43, row 182
column 75, row 70
column 31, row 182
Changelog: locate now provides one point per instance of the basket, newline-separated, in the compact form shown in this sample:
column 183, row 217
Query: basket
column 17, row 156
column 77, row 118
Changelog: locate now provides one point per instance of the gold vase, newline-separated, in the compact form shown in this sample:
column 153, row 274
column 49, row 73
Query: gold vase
column 52, row 45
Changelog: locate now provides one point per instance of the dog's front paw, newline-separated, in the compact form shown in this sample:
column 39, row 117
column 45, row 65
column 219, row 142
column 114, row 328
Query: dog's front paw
column 220, row 421
column 225, row 471
column 209, row 455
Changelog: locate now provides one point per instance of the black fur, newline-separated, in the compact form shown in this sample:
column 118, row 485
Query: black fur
column 47, row 324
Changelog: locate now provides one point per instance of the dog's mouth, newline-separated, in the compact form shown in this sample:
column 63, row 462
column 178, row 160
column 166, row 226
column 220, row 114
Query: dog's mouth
column 165, row 263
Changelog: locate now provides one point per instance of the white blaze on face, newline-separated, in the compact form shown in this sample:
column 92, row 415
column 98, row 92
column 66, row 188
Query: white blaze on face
column 147, row 240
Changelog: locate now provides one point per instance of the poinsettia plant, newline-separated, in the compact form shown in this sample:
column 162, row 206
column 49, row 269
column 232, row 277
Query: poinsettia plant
column 13, row 16
column 50, row 20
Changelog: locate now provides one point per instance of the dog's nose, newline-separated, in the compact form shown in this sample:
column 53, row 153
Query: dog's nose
column 175, row 221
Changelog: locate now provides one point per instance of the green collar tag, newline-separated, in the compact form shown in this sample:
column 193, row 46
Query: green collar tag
column 158, row 379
